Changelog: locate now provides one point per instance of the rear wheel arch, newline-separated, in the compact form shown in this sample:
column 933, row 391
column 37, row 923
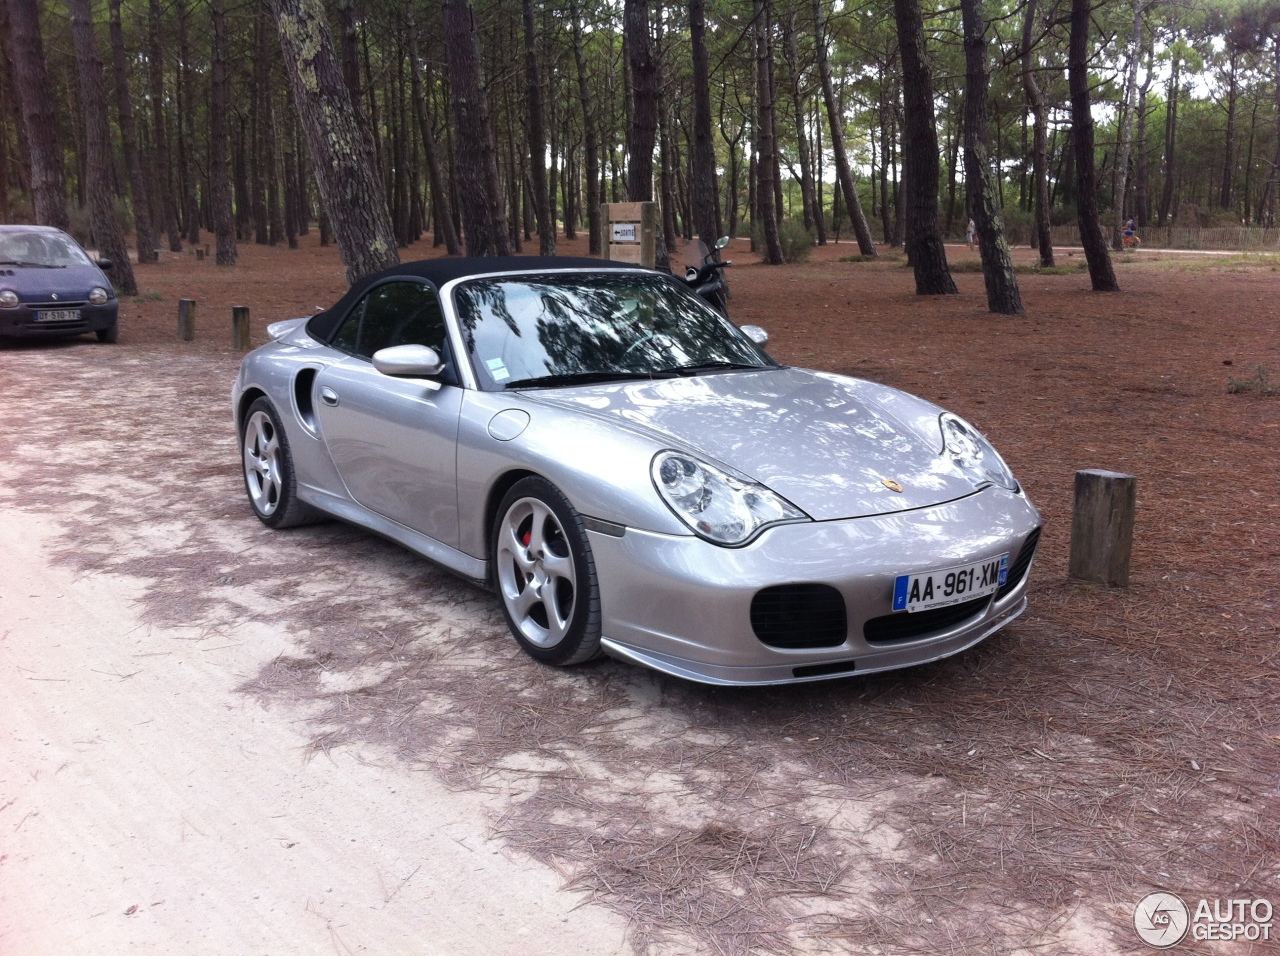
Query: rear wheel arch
column 250, row 396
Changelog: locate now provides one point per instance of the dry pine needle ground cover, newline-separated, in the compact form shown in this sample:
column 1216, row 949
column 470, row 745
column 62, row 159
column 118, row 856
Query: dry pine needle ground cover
column 1020, row 797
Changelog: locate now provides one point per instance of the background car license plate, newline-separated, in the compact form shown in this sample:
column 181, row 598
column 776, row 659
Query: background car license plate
column 59, row 315
column 920, row 592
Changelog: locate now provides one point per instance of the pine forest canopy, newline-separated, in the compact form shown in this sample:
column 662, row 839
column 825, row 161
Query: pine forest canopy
column 203, row 114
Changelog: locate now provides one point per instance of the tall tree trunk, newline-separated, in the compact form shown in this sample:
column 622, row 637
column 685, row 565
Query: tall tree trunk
column 1171, row 138
column 164, row 204
column 443, row 221
column 666, row 182
column 844, row 175
column 1142, row 176
column 887, row 217
column 642, row 130
column 186, row 120
column 802, row 138
column 765, row 148
column 101, row 197
column 144, row 228
column 954, row 136
column 820, row 207
column 264, row 33
column 1229, row 151
column 704, row 156
column 1003, row 296
column 224, row 224
column 275, row 216
column 291, row 191
column 920, row 157
column 350, row 46
column 341, row 154
column 536, row 136
column 1120, row 171
column 39, row 120
column 240, row 178
column 589, row 130
column 1101, row 273
column 1041, row 224
column 475, row 159
column 300, row 157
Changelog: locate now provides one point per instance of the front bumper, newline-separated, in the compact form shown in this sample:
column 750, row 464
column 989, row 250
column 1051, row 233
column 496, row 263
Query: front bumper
column 682, row 606
column 23, row 321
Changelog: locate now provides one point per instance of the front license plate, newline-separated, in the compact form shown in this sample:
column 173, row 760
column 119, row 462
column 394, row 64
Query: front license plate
column 59, row 315
column 920, row 592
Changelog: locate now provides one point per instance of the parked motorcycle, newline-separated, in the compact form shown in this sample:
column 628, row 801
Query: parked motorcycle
column 707, row 280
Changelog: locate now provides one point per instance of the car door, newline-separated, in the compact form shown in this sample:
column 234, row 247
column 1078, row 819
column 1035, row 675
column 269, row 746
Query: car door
column 393, row 440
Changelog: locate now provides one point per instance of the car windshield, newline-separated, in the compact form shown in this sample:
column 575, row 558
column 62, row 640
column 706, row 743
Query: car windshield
column 48, row 249
column 548, row 330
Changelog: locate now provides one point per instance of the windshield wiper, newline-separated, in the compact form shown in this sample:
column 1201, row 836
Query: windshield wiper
column 585, row 378
column 38, row 265
column 714, row 367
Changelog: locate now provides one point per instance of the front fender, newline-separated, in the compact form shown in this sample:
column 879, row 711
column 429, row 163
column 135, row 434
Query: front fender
column 602, row 470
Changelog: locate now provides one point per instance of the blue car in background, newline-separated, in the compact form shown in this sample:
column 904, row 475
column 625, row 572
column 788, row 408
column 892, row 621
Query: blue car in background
column 49, row 286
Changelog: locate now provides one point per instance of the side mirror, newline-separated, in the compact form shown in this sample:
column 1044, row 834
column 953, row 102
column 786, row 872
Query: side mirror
column 756, row 334
column 105, row 265
column 408, row 361
column 722, row 242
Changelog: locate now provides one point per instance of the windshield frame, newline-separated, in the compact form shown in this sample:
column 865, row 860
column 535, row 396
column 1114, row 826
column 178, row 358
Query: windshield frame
column 461, row 347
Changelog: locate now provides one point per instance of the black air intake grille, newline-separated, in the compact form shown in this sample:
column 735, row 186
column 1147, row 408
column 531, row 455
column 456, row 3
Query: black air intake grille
column 800, row 615
column 1018, row 570
column 904, row 627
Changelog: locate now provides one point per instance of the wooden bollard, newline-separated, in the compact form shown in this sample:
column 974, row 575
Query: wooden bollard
column 240, row 327
column 199, row 255
column 1102, row 527
column 187, row 320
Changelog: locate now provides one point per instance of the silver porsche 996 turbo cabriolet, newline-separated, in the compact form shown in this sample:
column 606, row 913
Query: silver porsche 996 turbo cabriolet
column 634, row 475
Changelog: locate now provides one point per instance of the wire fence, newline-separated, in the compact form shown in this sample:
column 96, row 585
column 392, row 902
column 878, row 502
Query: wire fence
column 1231, row 238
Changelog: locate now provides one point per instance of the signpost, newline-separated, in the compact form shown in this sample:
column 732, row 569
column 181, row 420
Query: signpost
column 630, row 231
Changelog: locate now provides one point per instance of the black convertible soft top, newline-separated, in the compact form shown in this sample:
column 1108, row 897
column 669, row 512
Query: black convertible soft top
column 322, row 325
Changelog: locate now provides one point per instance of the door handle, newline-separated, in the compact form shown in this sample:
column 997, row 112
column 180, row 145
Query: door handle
column 328, row 396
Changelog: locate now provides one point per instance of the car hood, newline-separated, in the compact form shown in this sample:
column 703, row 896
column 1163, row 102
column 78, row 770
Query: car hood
column 826, row 443
column 38, row 284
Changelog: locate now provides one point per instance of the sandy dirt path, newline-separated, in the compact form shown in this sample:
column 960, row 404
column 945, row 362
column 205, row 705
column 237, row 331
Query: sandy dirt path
column 147, row 807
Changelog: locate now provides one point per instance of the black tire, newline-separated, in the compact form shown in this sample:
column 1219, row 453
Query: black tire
column 269, row 476
column 555, row 573
column 110, row 335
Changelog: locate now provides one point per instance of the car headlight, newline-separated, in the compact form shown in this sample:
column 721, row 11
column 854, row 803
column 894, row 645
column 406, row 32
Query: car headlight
column 715, row 505
column 97, row 295
column 976, row 456
column 8, row 299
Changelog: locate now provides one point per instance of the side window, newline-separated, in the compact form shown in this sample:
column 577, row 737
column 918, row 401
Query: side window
column 401, row 313
column 349, row 332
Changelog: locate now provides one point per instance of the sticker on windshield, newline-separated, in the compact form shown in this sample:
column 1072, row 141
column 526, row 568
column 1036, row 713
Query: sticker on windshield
column 498, row 369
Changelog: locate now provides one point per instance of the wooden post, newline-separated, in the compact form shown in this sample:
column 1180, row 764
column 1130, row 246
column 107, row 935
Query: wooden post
column 240, row 327
column 199, row 255
column 1102, row 527
column 630, row 232
column 187, row 320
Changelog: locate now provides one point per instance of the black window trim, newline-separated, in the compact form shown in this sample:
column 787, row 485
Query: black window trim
column 450, row 374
